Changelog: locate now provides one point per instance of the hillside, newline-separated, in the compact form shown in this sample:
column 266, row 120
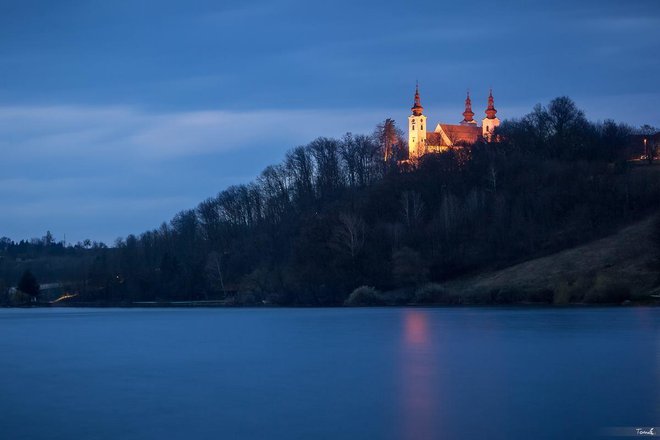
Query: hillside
column 334, row 218
column 625, row 262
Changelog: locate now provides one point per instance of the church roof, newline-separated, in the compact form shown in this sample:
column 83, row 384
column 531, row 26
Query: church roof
column 461, row 133
column 433, row 138
column 456, row 134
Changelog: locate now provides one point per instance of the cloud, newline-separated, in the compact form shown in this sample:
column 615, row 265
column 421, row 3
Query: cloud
column 106, row 171
column 129, row 133
column 619, row 24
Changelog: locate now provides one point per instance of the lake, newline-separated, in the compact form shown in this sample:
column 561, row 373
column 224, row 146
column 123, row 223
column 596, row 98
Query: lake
column 361, row 373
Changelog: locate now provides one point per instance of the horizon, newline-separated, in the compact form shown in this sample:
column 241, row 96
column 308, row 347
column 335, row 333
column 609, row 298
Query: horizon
column 113, row 118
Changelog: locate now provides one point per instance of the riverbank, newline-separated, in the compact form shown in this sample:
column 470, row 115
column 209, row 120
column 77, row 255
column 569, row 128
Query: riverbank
column 620, row 269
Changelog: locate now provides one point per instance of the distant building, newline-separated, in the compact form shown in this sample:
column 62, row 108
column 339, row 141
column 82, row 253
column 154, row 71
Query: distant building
column 644, row 146
column 445, row 136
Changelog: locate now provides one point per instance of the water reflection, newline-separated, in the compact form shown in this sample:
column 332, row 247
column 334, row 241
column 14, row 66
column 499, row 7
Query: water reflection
column 420, row 409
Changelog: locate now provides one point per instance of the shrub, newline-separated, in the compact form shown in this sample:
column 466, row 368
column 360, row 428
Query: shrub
column 398, row 297
column 432, row 293
column 364, row 296
column 408, row 267
column 18, row 298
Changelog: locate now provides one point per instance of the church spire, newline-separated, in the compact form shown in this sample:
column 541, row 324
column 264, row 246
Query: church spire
column 417, row 106
column 490, row 111
column 468, row 113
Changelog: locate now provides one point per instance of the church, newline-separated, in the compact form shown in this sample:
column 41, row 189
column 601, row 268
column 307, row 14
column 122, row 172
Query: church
column 446, row 136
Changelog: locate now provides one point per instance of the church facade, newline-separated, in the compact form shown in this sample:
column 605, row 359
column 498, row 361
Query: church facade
column 445, row 136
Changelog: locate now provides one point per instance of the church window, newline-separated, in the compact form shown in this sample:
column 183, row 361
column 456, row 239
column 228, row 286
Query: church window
column 421, row 128
column 413, row 126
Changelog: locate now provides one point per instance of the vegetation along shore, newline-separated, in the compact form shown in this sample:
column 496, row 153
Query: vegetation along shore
column 555, row 212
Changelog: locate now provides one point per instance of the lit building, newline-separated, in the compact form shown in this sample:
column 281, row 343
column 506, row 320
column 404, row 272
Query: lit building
column 445, row 136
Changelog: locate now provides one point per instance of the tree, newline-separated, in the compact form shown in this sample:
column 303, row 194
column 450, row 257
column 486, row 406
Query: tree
column 4, row 298
column 408, row 267
column 349, row 234
column 213, row 270
column 48, row 239
column 570, row 130
column 412, row 208
column 299, row 168
column 388, row 137
column 28, row 284
column 328, row 170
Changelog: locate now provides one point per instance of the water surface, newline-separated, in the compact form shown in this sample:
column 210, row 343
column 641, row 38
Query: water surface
column 372, row 373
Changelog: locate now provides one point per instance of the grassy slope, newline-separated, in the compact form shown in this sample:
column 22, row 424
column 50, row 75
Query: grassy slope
column 625, row 259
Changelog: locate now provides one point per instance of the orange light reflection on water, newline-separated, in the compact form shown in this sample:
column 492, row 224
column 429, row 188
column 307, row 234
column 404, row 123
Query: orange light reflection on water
column 416, row 328
column 420, row 412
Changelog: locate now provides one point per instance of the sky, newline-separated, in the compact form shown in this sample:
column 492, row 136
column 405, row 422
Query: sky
column 116, row 115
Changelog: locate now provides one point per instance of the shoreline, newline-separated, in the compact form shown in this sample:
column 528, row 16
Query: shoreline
column 207, row 305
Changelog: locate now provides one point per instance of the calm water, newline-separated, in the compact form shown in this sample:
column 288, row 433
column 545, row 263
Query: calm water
column 327, row 373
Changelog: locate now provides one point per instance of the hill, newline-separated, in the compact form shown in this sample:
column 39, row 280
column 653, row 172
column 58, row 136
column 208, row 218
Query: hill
column 335, row 217
column 618, row 267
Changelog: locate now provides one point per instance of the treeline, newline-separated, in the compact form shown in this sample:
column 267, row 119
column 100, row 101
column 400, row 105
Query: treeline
column 334, row 215
column 52, row 260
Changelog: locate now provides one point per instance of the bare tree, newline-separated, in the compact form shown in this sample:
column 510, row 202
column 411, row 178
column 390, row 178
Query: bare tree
column 214, row 271
column 300, row 167
column 412, row 207
column 492, row 177
column 275, row 188
column 328, row 171
column 349, row 234
column 361, row 159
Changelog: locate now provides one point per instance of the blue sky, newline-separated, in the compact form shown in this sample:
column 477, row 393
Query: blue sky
column 114, row 116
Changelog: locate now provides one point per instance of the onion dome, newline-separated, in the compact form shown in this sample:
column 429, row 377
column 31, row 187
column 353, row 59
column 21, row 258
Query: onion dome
column 417, row 106
column 468, row 113
column 490, row 111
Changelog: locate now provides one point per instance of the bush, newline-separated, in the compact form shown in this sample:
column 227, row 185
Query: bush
column 408, row 267
column 28, row 284
column 398, row 297
column 18, row 298
column 432, row 293
column 364, row 296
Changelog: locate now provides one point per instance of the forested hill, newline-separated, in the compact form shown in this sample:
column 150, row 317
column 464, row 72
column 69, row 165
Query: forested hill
column 334, row 216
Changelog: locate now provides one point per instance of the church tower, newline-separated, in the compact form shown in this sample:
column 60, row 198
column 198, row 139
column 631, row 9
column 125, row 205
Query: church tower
column 468, row 114
column 490, row 122
column 416, row 129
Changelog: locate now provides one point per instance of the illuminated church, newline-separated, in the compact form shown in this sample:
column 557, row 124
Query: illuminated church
column 445, row 136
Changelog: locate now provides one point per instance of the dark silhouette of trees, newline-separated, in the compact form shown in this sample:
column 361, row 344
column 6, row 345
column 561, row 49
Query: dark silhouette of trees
column 28, row 284
column 560, row 131
column 334, row 215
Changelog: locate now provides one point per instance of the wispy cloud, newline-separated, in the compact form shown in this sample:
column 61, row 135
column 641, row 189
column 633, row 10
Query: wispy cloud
column 124, row 132
column 103, row 171
column 633, row 24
